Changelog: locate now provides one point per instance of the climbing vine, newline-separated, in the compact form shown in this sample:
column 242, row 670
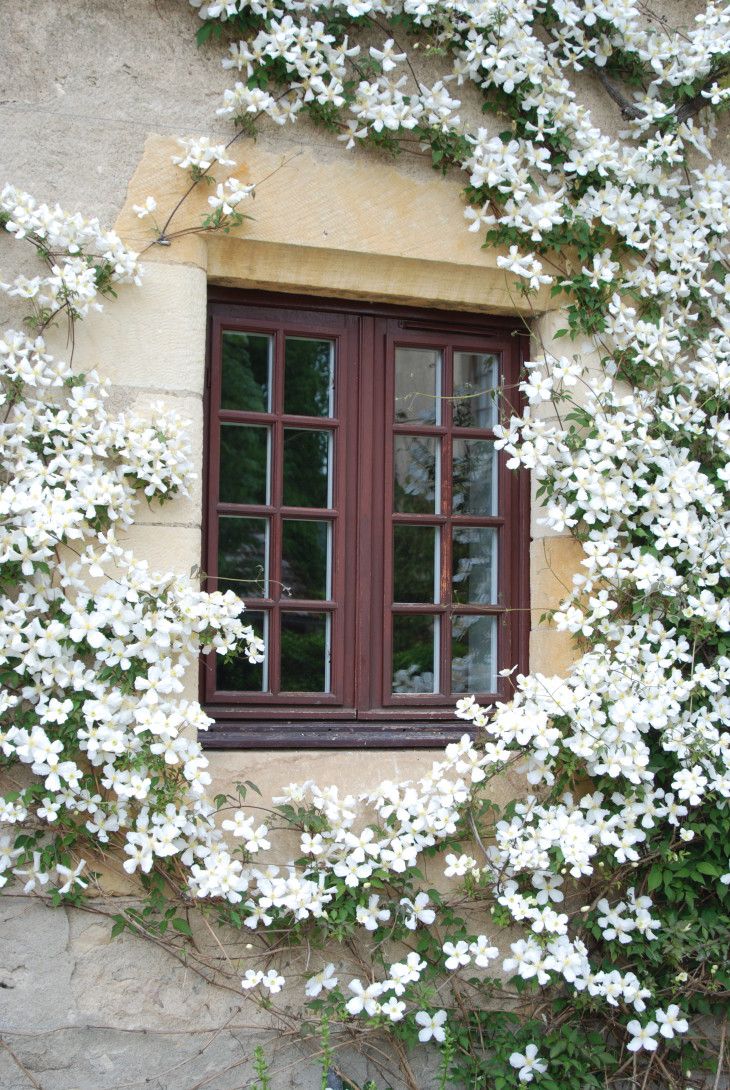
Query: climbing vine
column 583, row 943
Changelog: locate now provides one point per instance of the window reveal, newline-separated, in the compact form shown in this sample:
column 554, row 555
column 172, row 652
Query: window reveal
column 356, row 502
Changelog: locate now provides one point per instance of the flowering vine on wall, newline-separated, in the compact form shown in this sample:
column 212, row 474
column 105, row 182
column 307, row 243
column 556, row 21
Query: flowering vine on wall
column 587, row 941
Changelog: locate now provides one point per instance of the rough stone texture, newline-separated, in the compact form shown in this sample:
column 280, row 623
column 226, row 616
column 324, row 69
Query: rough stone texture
column 83, row 82
column 79, row 1011
column 83, row 85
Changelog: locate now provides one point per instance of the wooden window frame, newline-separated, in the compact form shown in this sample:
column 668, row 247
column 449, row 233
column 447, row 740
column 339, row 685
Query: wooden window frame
column 360, row 711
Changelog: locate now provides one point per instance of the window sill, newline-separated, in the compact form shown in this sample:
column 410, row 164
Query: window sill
column 323, row 734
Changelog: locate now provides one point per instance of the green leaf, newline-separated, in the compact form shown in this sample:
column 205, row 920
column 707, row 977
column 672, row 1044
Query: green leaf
column 655, row 878
column 204, row 33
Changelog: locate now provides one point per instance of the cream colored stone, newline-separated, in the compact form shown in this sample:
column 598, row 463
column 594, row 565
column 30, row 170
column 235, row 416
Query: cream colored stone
column 544, row 328
column 351, row 771
column 551, row 652
column 375, row 277
column 323, row 224
column 553, row 563
column 165, row 548
column 151, row 337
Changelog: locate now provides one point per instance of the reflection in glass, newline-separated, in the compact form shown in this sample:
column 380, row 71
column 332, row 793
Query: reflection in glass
column 418, row 385
column 240, row 675
column 474, row 655
column 476, row 378
column 305, row 558
column 243, row 546
column 415, row 564
column 416, row 476
column 415, row 654
column 246, row 371
column 306, row 468
column 474, row 477
column 244, row 464
column 475, row 565
column 308, row 377
column 305, row 652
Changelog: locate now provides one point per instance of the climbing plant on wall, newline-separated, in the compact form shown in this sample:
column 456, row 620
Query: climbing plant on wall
column 586, row 944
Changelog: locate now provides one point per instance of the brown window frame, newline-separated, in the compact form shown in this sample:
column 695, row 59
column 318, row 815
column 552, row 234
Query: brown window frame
column 360, row 711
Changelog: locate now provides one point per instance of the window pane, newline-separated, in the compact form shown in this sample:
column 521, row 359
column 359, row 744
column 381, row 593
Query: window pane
column 474, row 477
column 305, row 563
column 415, row 654
column 244, row 464
column 418, row 385
column 305, row 652
column 243, row 556
column 306, row 468
column 475, row 565
column 474, row 655
column 240, row 675
column 246, row 372
column 415, row 564
column 476, row 377
column 308, row 377
column 416, row 474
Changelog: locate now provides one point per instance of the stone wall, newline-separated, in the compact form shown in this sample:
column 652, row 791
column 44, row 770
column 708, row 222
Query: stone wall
column 95, row 91
column 81, row 1012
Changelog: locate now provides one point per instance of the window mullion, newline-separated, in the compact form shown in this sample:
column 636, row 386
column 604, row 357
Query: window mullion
column 447, row 489
column 276, row 495
column 365, row 515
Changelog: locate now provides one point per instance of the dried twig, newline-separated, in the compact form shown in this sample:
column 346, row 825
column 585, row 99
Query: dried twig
column 20, row 1065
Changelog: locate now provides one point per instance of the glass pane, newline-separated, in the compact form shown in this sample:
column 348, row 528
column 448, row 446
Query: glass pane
column 418, row 385
column 476, row 377
column 415, row 564
column 244, row 464
column 305, row 563
column 240, row 675
column 306, row 468
column 416, row 474
column 475, row 565
column 474, row 655
column 474, row 477
column 415, row 654
column 308, row 377
column 246, row 372
column 305, row 652
column 243, row 546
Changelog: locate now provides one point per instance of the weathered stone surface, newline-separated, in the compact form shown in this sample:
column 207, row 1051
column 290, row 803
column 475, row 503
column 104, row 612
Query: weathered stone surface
column 551, row 652
column 35, row 975
column 151, row 337
column 81, row 1011
column 553, row 562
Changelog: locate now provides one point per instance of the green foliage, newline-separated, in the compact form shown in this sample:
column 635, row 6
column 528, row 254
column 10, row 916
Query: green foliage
column 261, row 1067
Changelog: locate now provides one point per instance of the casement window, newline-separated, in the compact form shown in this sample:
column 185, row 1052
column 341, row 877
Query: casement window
column 356, row 503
